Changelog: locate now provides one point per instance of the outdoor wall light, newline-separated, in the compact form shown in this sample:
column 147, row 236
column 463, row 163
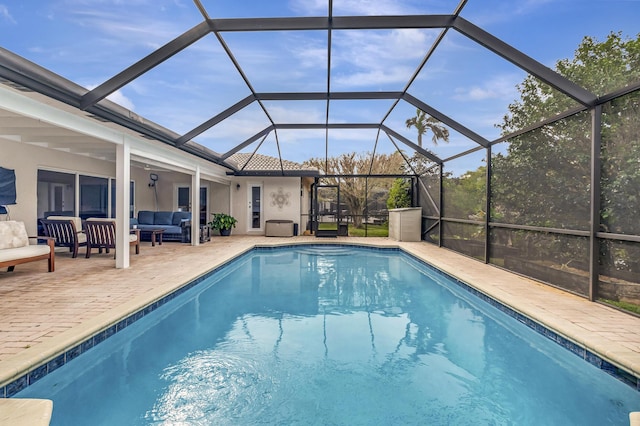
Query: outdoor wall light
column 238, row 186
column 154, row 179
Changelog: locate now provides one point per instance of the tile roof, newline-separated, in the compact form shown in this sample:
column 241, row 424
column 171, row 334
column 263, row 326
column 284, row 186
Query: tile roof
column 265, row 162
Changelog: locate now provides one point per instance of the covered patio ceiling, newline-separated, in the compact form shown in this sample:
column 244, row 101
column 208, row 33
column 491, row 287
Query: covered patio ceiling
column 295, row 84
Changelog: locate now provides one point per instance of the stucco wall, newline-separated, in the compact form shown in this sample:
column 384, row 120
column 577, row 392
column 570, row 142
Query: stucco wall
column 280, row 200
column 26, row 159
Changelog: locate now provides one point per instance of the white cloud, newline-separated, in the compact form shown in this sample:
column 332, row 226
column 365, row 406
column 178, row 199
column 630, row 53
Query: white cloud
column 297, row 113
column 375, row 77
column 119, row 98
column 377, row 57
column 5, row 15
column 500, row 87
column 149, row 32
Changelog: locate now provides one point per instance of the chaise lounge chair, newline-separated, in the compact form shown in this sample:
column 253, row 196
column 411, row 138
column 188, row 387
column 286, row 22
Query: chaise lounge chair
column 101, row 234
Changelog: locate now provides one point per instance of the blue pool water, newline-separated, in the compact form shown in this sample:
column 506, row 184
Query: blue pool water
column 331, row 336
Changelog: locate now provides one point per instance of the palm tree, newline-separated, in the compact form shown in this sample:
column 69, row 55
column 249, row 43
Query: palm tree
column 424, row 122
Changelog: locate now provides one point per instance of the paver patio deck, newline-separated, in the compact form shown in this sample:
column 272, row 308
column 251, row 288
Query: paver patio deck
column 42, row 313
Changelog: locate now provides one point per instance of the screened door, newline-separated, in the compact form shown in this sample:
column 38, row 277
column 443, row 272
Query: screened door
column 327, row 210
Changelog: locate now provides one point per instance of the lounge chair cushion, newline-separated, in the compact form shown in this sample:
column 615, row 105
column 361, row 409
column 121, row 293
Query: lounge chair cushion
column 13, row 234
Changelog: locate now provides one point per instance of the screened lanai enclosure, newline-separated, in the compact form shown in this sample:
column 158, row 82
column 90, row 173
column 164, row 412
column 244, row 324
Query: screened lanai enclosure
column 516, row 128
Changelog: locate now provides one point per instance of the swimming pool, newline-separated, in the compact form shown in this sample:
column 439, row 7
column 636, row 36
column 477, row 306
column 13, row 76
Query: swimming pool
column 331, row 335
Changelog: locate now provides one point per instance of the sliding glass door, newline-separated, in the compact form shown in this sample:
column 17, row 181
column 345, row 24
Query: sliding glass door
column 58, row 191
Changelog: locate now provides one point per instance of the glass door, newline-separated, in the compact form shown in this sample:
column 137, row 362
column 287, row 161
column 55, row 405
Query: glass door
column 184, row 199
column 203, row 205
column 255, row 207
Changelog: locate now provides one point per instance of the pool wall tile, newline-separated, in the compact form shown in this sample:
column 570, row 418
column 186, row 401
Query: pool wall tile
column 110, row 331
column 72, row 353
column 86, row 345
column 16, row 386
column 37, row 373
column 55, row 363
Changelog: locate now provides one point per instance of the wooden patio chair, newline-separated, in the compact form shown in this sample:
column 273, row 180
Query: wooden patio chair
column 66, row 231
column 101, row 234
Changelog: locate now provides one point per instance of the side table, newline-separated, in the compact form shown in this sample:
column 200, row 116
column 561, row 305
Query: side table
column 205, row 233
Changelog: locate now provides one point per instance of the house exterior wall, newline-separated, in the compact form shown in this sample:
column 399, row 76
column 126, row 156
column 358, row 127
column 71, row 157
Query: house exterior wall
column 27, row 159
column 280, row 200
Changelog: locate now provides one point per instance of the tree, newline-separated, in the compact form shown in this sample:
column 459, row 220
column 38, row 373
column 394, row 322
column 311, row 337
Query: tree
column 354, row 189
column 423, row 122
column 399, row 194
column 543, row 179
column 465, row 194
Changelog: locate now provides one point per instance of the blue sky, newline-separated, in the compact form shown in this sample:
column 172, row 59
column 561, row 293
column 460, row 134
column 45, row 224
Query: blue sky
column 88, row 41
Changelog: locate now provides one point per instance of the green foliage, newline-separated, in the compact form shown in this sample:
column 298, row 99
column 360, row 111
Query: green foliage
column 543, row 178
column 600, row 67
column 399, row 194
column 370, row 230
column 222, row 221
column 623, row 305
column 354, row 189
column 464, row 196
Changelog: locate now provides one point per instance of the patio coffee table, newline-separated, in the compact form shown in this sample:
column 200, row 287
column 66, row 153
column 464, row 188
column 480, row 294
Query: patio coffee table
column 156, row 235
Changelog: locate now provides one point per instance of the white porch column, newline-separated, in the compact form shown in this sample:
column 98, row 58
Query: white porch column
column 195, row 207
column 123, row 177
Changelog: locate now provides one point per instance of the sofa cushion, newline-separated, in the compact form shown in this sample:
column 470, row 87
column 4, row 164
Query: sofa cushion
column 178, row 217
column 145, row 217
column 162, row 218
column 13, row 234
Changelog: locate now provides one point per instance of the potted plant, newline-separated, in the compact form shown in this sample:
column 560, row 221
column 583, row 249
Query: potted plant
column 223, row 223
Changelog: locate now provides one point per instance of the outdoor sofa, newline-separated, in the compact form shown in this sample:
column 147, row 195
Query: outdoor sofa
column 16, row 249
column 176, row 225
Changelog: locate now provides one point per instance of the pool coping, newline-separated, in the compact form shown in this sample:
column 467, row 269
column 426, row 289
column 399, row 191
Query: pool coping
column 19, row 372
